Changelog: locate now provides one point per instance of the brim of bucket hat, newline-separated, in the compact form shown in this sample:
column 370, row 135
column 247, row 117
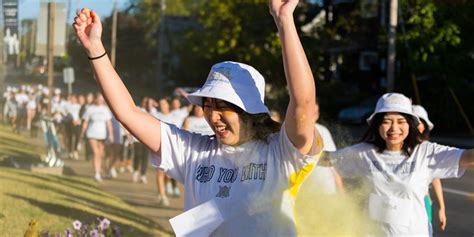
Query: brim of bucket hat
column 415, row 118
column 429, row 123
column 250, row 106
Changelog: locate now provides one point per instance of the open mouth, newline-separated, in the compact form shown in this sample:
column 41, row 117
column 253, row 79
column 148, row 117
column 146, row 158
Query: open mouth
column 221, row 130
column 393, row 136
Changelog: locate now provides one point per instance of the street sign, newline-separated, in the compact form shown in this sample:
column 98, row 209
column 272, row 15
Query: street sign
column 60, row 24
column 68, row 75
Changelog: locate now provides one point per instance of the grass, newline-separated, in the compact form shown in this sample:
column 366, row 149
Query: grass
column 56, row 201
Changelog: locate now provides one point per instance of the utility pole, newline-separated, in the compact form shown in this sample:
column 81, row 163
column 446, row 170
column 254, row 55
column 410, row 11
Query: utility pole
column 2, row 27
column 114, row 34
column 51, row 13
column 391, row 52
column 161, row 40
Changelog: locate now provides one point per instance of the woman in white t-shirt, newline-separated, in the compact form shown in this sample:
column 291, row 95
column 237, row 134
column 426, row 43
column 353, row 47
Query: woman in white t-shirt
column 97, row 127
column 30, row 110
column 197, row 123
column 425, row 126
column 73, row 126
column 243, row 180
column 397, row 166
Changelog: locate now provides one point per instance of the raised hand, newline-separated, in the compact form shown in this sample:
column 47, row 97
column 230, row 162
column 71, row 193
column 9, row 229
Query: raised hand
column 282, row 8
column 88, row 30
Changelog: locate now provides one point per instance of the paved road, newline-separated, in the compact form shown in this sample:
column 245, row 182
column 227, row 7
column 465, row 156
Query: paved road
column 459, row 200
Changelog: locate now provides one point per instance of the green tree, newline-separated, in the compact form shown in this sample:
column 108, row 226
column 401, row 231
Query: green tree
column 149, row 13
column 240, row 31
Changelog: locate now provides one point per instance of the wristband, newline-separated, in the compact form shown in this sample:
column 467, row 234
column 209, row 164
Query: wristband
column 94, row 58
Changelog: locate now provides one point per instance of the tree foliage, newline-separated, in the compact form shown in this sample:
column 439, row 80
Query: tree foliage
column 149, row 13
column 428, row 32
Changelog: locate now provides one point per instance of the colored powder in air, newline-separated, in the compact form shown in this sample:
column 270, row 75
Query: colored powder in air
column 339, row 214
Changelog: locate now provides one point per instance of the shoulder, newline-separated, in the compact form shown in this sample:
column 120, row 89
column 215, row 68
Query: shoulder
column 358, row 148
column 323, row 130
column 321, row 127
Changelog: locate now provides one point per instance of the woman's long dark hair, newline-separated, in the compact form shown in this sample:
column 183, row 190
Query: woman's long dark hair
column 372, row 134
column 262, row 123
column 425, row 135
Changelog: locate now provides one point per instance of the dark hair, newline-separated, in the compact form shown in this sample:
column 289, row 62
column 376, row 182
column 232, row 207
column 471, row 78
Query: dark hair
column 261, row 123
column 372, row 134
column 425, row 135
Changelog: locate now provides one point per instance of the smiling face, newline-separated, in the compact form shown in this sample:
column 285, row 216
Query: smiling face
column 393, row 130
column 226, row 122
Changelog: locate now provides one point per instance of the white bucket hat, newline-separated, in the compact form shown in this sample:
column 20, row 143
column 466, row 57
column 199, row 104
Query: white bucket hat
column 236, row 83
column 419, row 111
column 393, row 102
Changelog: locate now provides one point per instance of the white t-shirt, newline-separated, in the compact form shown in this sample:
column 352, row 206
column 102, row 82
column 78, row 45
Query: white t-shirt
column 97, row 116
column 177, row 116
column 251, row 182
column 323, row 176
column 21, row 98
column 31, row 104
column 167, row 118
column 73, row 111
column 199, row 125
column 398, row 183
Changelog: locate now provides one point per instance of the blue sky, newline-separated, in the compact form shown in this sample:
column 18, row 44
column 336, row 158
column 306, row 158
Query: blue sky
column 30, row 8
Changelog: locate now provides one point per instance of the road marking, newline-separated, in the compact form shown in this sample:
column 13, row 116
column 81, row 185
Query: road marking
column 459, row 192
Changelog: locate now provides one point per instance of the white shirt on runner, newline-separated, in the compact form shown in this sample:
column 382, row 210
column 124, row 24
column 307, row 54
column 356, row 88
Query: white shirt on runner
column 72, row 111
column 323, row 177
column 178, row 116
column 250, row 182
column 97, row 117
column 199, row 125
column 398, row 183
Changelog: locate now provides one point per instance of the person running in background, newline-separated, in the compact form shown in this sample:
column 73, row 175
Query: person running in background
column 178, row 112
column 197, row 123
column 11, row 108
column 261, row 201
column 21, row 99
column 97, row 124
column 58, row 110
column 85, row 143
column 163, row 182
column 114, row 150
column 6, row 96
column 141, row 154
column 326, row 178
column 73, row 126
column 31, row 107
column 397, row 166
column 425, row 126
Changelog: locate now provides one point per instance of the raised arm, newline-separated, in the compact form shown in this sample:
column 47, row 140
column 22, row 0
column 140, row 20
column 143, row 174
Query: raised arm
column 300, row 116
column 88, row 29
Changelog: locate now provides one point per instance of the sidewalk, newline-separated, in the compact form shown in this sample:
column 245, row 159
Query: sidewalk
column 141, row 196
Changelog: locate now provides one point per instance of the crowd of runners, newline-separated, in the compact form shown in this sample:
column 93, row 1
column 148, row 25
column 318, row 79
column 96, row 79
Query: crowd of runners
column 85, row 129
